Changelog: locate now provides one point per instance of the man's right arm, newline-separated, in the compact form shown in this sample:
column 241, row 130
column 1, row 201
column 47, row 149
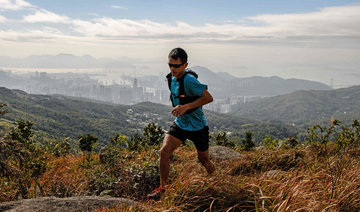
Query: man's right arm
column 204, row 99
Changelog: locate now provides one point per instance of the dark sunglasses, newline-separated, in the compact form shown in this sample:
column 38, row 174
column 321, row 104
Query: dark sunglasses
column 175, row 65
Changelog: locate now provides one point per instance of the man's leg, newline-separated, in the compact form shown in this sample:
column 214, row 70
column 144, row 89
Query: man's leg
column 169, row 145
column 204, row 158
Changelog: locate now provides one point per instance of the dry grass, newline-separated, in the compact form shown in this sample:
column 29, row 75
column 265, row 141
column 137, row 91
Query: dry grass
column 65, row 177
column 300, row 179
column 293, row 180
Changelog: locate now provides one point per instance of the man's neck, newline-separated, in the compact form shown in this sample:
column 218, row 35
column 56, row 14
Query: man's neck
column 181, row 75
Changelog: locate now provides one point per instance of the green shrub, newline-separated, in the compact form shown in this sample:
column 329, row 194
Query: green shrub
column 248, row 143
column 20, row 153
column 222, row 140
column 114, row 151
column 58, row 147
column 87, row 142
column 2, row 112
column 153, row 134
column 270, row 143
column 136, row 143
column 349, row 136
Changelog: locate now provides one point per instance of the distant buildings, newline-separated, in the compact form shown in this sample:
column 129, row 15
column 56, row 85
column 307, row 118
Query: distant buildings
column 81, row 85
column 232, row 104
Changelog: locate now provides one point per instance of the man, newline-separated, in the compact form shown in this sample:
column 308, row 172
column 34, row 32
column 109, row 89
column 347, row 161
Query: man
column 190, row 122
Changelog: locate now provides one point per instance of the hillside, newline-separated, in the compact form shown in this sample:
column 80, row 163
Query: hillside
column 305, row 107
column 222, row 84
column 225, row 85
column 59, row 117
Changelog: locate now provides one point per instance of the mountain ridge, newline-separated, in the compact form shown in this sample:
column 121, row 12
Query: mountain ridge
column 305, row 107
column 228, row 86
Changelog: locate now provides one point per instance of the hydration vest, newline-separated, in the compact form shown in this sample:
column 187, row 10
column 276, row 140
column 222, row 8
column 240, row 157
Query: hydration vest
column 183, row 98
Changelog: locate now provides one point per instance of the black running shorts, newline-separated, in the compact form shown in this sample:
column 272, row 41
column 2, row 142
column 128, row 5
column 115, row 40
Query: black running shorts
column 200, row 138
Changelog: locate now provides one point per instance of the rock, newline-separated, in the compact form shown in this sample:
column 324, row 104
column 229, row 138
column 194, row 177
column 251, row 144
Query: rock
column 53, row 204
column 105, row 193
column 223, row 153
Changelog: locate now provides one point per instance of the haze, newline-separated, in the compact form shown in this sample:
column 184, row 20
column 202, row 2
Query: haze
column 313, row 40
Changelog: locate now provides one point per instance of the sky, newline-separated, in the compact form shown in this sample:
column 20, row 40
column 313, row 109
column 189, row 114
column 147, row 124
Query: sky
column 306, row 39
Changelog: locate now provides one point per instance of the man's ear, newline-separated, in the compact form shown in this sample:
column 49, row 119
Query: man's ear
column 185, row 65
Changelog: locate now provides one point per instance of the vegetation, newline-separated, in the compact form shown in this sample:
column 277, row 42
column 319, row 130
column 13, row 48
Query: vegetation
column 2, row 112
column 248, row 143
column 280, row 174
column 59, row 118
column 285, row 175
column 305, row 108
column 222, row 140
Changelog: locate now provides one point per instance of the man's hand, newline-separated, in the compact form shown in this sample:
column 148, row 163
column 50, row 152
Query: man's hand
column 179, row 110
column 204, row 99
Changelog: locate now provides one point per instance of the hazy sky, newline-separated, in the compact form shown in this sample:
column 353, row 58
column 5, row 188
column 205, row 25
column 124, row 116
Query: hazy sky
column 308, row 39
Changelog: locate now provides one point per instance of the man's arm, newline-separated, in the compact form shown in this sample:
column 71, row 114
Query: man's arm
column 204, row 99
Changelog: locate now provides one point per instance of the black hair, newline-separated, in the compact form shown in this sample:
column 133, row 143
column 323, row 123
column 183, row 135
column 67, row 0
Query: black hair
column 178, row 53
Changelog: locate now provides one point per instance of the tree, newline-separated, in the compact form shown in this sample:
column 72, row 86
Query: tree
column 87, row 142
column 23, row 133
column 248, row 143
column 24, row 161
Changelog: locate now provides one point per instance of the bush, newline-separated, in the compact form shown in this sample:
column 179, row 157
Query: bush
column 222, row 140
column 58, row 147
column 290, row 142
column 87, row 142
column 23, row 160
column 153, row 134
column 270, row 143
column 248, row 143
column 113, row 152
column 136, row 143
column 2, row 112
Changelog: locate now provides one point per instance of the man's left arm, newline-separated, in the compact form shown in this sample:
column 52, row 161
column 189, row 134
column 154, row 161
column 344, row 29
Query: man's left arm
column 204, row 99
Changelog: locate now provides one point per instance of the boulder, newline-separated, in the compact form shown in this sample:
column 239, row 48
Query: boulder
column 223, row 153
column 53, row 204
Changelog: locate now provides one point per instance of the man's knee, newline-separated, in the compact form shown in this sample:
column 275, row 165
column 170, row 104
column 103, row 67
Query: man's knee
column 164, row 153
column 169, row 145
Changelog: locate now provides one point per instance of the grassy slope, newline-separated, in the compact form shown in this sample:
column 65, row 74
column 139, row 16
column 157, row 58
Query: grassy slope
column 265, row 180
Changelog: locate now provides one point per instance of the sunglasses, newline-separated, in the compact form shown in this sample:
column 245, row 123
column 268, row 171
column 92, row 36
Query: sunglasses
column 175, row 65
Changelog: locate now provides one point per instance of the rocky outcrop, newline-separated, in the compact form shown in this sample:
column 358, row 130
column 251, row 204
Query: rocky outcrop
column 223, row 153
column 74, row 204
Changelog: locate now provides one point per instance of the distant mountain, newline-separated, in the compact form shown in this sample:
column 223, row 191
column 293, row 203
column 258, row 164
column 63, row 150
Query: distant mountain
column 225, row 85
column 62, row 61
column 305, row 107
column 60, row 117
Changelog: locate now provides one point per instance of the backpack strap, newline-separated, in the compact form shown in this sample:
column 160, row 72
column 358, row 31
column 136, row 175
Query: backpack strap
column 183, row 98
column 169, row 79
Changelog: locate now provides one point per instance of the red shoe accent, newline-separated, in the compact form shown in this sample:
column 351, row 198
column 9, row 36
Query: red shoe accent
column 156, row 193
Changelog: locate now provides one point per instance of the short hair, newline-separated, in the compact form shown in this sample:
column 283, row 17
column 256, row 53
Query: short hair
column 178, row 53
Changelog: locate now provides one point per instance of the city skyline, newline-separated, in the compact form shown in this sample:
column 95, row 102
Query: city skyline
column 313, row 40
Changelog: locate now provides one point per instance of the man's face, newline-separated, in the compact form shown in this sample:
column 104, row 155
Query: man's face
column 177, row 72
